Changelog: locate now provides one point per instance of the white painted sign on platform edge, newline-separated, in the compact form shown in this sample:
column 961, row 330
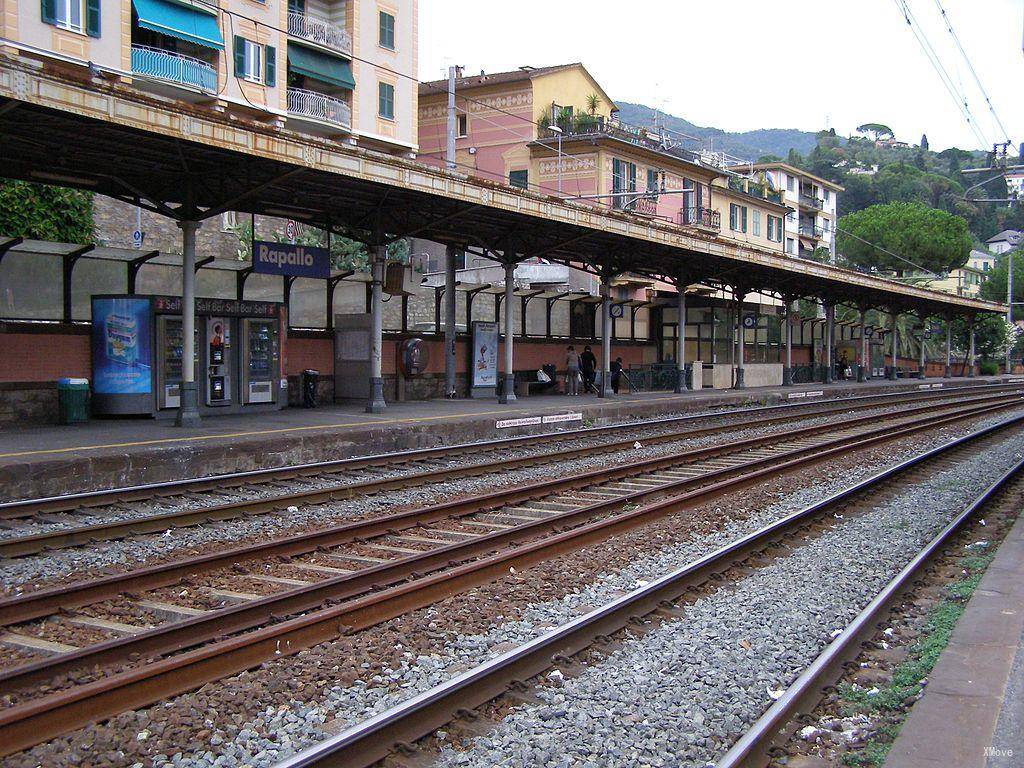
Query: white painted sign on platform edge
column 527, row 421
column 560, row 417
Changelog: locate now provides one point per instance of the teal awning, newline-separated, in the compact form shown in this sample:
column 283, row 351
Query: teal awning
column 320, row 66
column 180, row 21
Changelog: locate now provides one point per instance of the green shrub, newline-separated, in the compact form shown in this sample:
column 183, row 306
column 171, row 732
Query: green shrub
column 988, row 368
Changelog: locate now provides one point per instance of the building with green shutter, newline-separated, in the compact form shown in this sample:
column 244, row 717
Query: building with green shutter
column 332, row 68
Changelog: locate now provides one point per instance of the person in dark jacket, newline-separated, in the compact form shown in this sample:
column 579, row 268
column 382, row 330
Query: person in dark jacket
column 588, row 367
column 616, row 371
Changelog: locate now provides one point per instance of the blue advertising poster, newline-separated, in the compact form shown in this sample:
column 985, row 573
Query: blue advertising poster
column 122, row 355
column 294, row 260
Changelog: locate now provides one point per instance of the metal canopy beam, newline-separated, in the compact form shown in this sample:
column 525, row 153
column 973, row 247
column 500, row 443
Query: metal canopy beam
column 259, row 169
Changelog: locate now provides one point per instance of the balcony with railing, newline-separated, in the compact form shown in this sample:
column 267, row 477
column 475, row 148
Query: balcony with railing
column 319, row 106
column 699, row 216
column 810, row 201
column 584, row 124
column 173, row 67
column 809, row 230
column 755, row 189
column 320, row 31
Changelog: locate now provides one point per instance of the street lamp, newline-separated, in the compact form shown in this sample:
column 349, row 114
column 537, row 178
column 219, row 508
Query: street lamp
column 558, row 131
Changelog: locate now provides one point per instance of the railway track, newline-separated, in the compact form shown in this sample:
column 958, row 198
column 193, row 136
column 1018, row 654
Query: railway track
column 395, row 731
column 269, row 492
column 358, row 590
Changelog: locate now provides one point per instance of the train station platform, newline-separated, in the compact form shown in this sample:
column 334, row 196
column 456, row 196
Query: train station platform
column 109, row 453
column 972, row 712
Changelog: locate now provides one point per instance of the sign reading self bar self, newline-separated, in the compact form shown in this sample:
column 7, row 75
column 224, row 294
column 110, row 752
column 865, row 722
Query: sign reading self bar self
column 293, row 260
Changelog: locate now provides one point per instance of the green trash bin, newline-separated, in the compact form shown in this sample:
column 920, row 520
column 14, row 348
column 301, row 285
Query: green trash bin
column 73, row 400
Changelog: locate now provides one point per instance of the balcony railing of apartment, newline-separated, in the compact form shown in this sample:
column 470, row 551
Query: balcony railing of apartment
column 811, row 201
column 809, row 230
column 584, row 124
column 319, row 106
column 173, row 67
column 755, row 188
column 319, row 31
column 645, row 205
column 699, row 216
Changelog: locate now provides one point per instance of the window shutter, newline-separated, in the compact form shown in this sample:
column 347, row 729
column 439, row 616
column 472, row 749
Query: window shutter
column 239, row 51
column 270, row 56
column 744, row 209
column 49, row 11
column 732, row 215
column 92, row 18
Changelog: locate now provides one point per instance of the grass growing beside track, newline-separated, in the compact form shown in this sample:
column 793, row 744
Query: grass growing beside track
column 891, row 705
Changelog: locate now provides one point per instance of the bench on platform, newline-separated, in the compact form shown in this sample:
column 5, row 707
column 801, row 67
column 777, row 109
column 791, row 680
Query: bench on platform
column 527, row 383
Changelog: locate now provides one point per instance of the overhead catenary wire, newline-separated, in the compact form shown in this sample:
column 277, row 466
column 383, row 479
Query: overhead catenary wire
column 933, row 58
column 970, row 67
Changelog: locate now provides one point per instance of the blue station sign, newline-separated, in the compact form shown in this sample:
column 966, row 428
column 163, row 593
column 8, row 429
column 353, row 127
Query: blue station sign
column 287, row 259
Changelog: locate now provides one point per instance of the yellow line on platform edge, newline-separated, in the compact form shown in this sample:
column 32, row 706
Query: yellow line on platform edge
column 280, row 430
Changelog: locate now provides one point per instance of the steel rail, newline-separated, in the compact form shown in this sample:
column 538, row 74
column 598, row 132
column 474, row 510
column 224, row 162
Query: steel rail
column 88, row 499
column 366, row 743
column 42, row 602
column 752, row 749
column 39, row 719
column 179, row 635
column 20, row 546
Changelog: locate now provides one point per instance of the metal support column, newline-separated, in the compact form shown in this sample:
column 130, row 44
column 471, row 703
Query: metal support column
column 920, row 351
column 188, row 407
column 970, row 353
column 894, row 348
column 830, row 341
column 738, row 329
column 508, row 390
column 378, row 257
column 865, row 363
column 449, row 322
column 681, row 339
column 605, row 390
column 787, row 320
column 949, row 348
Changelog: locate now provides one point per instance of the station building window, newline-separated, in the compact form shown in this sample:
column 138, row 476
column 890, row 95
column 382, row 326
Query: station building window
column 519, row 179
column 73, row 15
column 386, row 36
column 737, row 217
column 386, row 100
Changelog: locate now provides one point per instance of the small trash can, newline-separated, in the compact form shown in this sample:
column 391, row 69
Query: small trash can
column 310, row 379
column 73, row 400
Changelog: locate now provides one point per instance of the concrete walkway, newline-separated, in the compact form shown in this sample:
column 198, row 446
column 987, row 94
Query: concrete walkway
column 108, row 453
column 972, row 713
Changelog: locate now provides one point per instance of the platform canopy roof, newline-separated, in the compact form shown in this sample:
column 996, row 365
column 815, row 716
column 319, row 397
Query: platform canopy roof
column 190, row 162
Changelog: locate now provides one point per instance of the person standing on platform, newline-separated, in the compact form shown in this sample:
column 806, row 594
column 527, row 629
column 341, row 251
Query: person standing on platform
column 588, row 366
column 572, row 371
column 616, row 372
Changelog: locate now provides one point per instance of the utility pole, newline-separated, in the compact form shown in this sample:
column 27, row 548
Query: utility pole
column 449, row 155
column 1009, row 305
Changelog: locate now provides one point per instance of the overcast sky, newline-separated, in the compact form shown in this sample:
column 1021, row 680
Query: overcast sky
column 721, row 62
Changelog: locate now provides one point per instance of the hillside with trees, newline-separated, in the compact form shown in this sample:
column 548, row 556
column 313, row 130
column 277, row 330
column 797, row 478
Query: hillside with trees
column 871, row 165
column 874, row 170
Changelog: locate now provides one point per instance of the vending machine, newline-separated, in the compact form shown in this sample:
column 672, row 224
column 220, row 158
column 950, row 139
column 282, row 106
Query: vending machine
column 138, row 346
column 220, row 361
column 260, row 348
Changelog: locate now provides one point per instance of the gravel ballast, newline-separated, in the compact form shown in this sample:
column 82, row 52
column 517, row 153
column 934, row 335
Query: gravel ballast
column 77, row 563
column 259, row 717
column 681, row 693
